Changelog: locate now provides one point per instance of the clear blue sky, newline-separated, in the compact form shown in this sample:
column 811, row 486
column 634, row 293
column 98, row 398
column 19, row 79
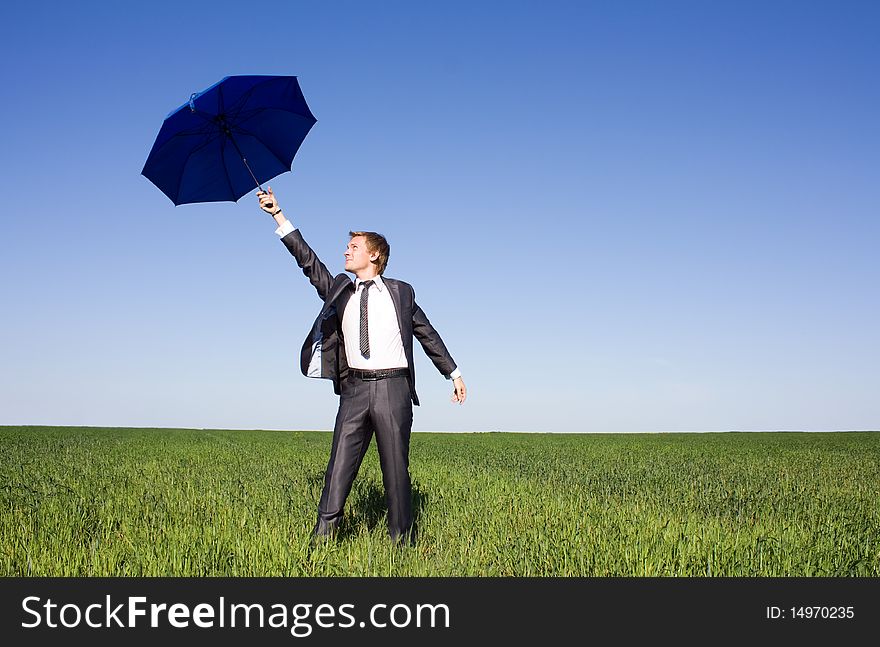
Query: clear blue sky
column 621, row 216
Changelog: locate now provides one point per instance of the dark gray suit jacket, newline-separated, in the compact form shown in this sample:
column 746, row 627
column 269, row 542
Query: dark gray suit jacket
column 323, row 353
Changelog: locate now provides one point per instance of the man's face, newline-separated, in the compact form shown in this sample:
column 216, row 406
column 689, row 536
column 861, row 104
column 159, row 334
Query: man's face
column 357, row 258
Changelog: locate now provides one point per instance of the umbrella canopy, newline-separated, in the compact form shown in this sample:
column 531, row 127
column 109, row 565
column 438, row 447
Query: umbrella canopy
column 227, row 140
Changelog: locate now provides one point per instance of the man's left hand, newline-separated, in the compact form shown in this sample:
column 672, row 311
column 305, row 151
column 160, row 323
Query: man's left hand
column 460, row 392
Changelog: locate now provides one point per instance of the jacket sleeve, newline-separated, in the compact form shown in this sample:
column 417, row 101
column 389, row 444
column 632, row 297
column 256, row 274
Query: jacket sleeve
column 311, row 265
column 430, row 340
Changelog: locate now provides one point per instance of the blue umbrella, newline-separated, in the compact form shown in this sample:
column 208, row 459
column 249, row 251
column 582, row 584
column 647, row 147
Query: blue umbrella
column 230, row 138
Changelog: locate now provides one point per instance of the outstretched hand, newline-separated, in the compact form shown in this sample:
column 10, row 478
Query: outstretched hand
column 460, row 392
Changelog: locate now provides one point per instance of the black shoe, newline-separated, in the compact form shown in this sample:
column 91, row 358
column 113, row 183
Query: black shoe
column 405, row 539
column 323, row 532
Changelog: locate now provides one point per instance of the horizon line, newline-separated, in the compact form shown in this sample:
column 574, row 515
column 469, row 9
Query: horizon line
column 485, row 431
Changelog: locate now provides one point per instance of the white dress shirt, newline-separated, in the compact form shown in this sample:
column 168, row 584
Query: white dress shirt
column 386, row 345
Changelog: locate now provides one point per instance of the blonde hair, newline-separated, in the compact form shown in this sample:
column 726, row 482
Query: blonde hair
column 376, row 243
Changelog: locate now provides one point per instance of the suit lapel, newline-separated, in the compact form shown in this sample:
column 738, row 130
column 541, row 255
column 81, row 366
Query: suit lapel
column 394, row 291
column 338, row 292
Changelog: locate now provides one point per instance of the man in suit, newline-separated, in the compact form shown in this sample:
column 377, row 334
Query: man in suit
column 362, row 340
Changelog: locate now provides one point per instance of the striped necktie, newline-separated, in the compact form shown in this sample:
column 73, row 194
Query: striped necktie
column 365, row 331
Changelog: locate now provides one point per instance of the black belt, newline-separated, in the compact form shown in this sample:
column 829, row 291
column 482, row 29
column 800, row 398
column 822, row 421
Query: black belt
column 381, row 374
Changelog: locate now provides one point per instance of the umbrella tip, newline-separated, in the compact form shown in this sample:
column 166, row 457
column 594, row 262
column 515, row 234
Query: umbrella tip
column 192, row 101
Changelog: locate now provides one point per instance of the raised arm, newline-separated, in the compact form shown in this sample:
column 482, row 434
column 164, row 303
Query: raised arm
column 305, row 256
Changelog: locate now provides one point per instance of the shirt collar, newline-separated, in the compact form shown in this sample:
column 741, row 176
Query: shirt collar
column 377, row 283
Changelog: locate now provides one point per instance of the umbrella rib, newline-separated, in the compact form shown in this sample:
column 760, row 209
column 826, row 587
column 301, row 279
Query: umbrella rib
column 307, row 116
column 183, row 133
column 236, row 109
column 223, row 144
column 204, row 115
column 268, row 148
column 226, row 170
column 239, row 105
column 241, row 130
column 188, row 157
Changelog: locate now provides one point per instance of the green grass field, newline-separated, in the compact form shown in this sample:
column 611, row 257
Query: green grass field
column 164, row 502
